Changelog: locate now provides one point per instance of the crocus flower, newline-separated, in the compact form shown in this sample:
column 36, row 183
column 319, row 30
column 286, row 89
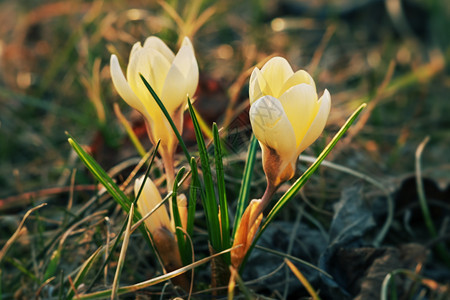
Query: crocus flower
column 173, row 77
column 286, row 116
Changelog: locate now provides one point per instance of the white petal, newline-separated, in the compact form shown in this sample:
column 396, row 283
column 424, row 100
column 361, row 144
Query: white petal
column 299, row 104
column 276, row 72
column 148, row 199
column 257, row 86
column 122, row 86
column 158, row 45
column 136, row 47
column 181, row 80
column 319, row 122
column 299, row 77
column 272, row 127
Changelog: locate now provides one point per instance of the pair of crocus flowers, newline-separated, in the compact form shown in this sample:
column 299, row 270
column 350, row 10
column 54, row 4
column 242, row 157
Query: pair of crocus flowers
column 286, row 114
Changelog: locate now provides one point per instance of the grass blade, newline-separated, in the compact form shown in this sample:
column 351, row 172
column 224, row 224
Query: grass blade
column 244, row 192
column 185, row 252
column 209, row 202
column 84, row 270
column 166, row 113
column 101, row 175
column 193, row 192
column 302, row 279
column 123, row 251
column 223, row 205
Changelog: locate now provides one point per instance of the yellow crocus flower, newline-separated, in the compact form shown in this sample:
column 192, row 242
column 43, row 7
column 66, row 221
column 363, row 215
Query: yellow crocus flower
column 286, row 116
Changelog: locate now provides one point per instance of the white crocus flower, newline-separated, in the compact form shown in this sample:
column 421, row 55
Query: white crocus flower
column 173, row 77
column 286, row 116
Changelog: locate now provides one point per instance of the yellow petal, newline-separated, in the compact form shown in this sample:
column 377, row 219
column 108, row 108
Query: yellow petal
column 122, row 86
column 271, row 126
column 148, row 200
column 319, row 122
column 157, row 44
column 276, row 72
column 258, row 86
column 299, row 104
column 299, row 77
column 181, row 80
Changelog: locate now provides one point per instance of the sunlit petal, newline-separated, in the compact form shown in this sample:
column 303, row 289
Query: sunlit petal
column 276, row 72
column 271, row 126
column 319, row 122
column 298, row 77
column 299, row 104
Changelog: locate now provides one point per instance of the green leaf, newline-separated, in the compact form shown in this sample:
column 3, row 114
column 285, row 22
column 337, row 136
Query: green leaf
column 209, row 202
column 84, row 270
column 185, row 252
column 193, row 192
column 302, row 180
column 52, row 265
column 223, row 205
column 244, row 192
column 169, row 118
column 101, row 175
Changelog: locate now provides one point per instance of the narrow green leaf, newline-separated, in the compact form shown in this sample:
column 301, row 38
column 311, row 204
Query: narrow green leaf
column 101, row 175
column 223, row 205
column 84, row 270
column 181, row 240
column 194, row 189
column 52, row 265
column 169, row 118
column 19, row 265
column 289, row 194
column 209, row 203
column 244, row 192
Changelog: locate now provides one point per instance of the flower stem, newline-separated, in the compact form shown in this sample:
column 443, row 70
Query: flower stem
column 265, row 200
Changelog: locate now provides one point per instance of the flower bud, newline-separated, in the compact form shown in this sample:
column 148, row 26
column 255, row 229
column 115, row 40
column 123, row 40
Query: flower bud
column 286, row 116
column 149, row 198
column 248, row 226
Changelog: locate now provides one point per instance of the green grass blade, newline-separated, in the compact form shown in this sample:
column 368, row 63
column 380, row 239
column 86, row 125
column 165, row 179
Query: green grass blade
column 166, row 113
column 210, row 204
column 101, row 175
column 181, row 240
column 194, row 190
column 52, row 265
column 302, row 179
column 84, row 270
column 123, row 252
column 244, row 192
column 223, row 205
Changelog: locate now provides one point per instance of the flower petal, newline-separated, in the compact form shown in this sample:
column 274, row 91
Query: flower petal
column 319, row 122
column 157, row 44
column 122, row 86
column 299, row 104
column 271, row 126
column 182, row 78
column 258, row 86
column 299, row 77
column 276, row 72
column 149, row 198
